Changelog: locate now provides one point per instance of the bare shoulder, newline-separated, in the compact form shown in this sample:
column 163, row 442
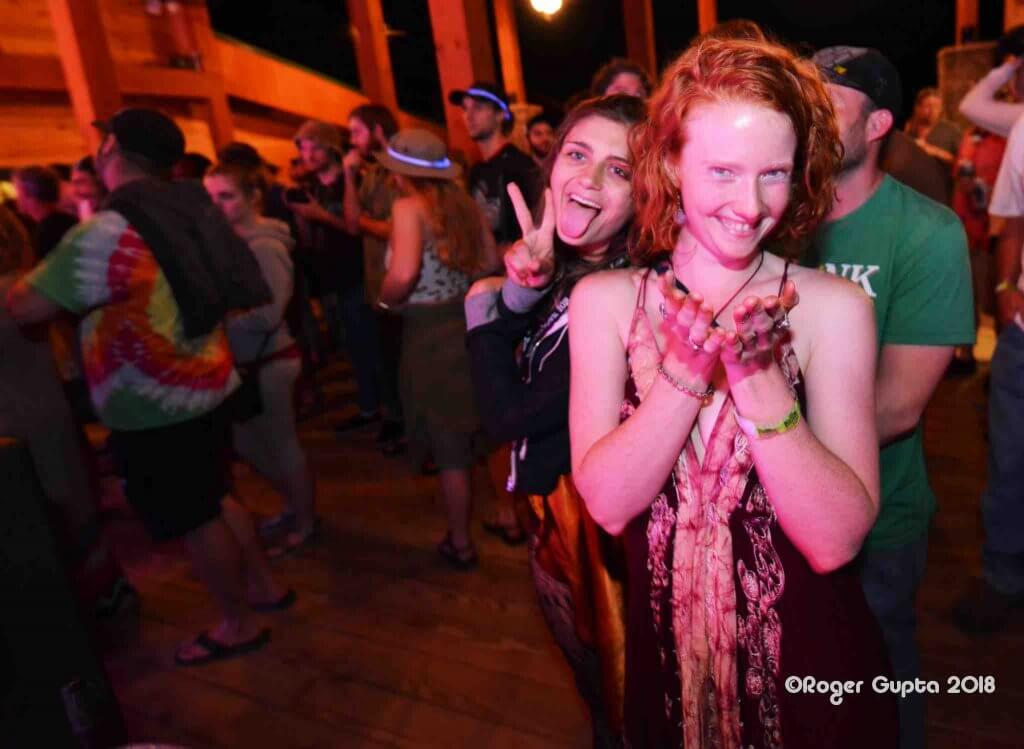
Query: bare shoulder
column 831, row 311
column 608, row 294
column 605, row 287
column 824, row 294
column 407, row 205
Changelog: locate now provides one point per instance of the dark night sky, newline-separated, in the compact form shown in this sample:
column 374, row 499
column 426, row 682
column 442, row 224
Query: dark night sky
column 561, row 54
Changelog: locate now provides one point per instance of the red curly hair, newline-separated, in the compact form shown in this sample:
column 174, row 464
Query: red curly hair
column 733, row 70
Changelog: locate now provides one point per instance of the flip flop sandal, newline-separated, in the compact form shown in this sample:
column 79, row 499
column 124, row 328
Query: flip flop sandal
column 511, row 536
column 463, row 559
column 219, row 651
column 283, row 603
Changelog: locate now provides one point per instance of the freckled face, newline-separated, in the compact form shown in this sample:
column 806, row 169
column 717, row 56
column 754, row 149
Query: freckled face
column 734, row 172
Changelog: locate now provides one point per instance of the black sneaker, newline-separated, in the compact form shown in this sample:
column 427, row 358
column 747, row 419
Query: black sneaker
column 356, row 422
column 984, row 610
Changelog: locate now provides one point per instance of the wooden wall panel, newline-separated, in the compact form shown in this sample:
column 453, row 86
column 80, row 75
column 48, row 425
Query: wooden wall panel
column 38, row 132
column 26, row 28
column 135, row 37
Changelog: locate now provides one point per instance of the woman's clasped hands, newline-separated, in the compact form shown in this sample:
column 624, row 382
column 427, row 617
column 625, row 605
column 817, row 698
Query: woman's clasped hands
column 694, row 344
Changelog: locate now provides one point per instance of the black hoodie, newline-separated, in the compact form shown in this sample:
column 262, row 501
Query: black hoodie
column 209, row 268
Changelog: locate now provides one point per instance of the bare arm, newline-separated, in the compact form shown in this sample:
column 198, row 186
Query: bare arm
column 618, row 468
column 980, row 105
column 28, row 306
column 822, row 477
column 907, row 377
column 373, row 227
column 406, row 252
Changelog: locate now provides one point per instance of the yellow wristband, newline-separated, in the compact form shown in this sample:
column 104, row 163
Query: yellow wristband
column 758, row 431
column 1005, row 285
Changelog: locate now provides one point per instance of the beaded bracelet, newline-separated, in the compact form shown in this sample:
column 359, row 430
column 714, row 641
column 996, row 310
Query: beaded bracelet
column 756, row 431
column 704, row 397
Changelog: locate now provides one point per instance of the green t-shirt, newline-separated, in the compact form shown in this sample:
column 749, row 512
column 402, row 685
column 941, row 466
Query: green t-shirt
column 910, row 255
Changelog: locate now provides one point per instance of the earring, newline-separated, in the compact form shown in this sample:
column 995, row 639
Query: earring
column 680, row 215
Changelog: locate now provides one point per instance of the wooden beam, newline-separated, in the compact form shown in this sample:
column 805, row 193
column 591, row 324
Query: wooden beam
column 222, row 129
column 639, row 21
column 1013, row 14
column 89, row 70
column 462, row 41
column 370, row 34
column 508, row 49
column 966, row 21
column 707, row 15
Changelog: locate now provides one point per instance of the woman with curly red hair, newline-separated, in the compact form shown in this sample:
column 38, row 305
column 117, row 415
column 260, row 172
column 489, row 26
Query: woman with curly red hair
column 729, row 433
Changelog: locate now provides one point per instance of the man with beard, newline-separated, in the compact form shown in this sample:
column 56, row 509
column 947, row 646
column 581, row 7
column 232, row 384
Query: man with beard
column 540, row 134
column 909, row 254
column 488, row 119
column 369, row 193
column 336, row 256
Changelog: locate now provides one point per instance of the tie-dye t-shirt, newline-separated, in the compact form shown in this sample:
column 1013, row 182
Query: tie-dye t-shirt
column 142, row 371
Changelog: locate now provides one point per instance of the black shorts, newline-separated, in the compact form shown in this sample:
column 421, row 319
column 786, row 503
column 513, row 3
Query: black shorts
column 176, row 476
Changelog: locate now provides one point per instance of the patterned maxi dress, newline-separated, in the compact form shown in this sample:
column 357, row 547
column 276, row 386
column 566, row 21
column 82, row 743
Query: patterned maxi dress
column 722, row 608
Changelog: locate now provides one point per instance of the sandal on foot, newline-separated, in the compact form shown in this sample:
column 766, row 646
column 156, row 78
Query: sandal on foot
column 511, row 535
column 283, row 603
column 218, row 651
column 464, row 558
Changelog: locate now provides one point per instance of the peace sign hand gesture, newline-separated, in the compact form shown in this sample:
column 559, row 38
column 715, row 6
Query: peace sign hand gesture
column 530, row 261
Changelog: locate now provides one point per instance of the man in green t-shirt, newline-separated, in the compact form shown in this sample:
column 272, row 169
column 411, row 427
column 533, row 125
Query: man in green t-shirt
column 909, row 254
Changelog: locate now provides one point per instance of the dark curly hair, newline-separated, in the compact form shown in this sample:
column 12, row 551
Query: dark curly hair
column 734, row 69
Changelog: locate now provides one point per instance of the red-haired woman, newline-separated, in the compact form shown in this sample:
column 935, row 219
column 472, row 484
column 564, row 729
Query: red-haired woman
column 728, row 433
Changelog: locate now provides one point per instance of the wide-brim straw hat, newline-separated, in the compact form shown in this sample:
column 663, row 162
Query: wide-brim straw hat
column 418, row 153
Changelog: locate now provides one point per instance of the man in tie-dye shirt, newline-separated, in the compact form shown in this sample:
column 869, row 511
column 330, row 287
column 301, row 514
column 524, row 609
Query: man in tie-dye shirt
column 165, row 396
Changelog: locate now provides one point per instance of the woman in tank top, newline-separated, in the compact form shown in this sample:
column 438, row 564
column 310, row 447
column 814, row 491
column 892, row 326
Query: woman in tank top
column 725, row 431
column 438, row 244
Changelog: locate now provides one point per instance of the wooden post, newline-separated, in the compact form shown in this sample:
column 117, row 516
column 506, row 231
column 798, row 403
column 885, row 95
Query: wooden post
column 966, row 21
column 707, row 15
column 1013, row 14
column 508, row 49
column 462, row 40
column 639, row 21
column 373, row 58
column 88, row 67
column 217, row 109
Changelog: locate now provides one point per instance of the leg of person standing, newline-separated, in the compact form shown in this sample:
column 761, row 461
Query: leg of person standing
column 891, row 578
column 987, row 606
column 359, row 339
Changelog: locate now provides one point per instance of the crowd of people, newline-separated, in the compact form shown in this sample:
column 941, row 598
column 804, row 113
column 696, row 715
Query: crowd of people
column 692, row 329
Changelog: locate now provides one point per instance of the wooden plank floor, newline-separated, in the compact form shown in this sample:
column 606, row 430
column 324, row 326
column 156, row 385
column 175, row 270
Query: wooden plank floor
column 389, row 648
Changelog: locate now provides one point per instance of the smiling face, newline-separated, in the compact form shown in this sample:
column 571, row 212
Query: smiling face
column 590, row 182
column 734, row 172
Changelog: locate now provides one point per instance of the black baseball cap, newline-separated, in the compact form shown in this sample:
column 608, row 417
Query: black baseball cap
column 482, row 91
column 866, row 70
column 147, row 133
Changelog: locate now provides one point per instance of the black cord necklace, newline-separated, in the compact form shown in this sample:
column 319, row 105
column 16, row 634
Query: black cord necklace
column 682, row 287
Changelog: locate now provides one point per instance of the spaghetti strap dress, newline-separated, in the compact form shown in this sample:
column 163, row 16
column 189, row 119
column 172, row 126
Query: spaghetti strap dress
column 722, row 609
